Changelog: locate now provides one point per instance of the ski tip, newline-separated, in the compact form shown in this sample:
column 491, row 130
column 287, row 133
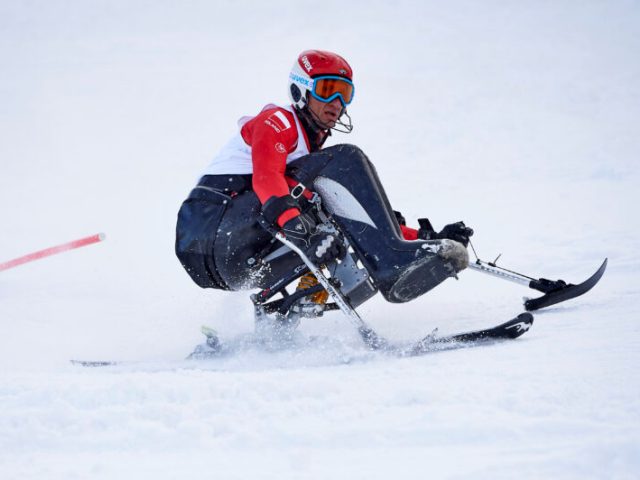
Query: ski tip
column 519, row 325
column 603, row 267
column 567, row 292
column 102, row 236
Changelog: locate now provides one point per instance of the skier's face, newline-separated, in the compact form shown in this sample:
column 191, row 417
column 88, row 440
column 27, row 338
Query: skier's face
column 327, row 113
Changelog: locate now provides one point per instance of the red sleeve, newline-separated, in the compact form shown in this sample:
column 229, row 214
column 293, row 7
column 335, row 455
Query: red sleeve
column 409, row 233
column 272, row 135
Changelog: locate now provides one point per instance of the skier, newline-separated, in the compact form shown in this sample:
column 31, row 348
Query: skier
column 257, row 186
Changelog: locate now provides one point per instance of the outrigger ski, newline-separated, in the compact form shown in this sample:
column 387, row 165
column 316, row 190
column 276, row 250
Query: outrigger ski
column 555, row 291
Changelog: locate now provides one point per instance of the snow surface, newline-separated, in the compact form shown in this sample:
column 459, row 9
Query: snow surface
column 522, row 118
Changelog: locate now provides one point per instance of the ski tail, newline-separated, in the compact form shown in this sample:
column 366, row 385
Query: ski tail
column 94, row 363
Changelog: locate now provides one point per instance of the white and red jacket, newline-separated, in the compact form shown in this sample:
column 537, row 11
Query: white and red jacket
column 263, row 147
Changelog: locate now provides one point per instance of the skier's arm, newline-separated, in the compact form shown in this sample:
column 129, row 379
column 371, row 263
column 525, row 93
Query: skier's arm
column 270, row 143
column 272, row 135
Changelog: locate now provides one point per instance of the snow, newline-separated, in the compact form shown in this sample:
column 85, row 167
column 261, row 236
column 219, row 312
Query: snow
column 519, row 117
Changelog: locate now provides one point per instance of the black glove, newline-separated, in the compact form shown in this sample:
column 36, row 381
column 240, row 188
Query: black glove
column 320, row 247
column 454, row 231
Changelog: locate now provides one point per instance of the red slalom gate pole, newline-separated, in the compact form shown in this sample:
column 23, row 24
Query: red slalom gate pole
column 82, row 242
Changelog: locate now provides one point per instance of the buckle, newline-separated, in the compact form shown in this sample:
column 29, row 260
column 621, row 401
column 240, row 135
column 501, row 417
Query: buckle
column 315, row 198
column 297, row 191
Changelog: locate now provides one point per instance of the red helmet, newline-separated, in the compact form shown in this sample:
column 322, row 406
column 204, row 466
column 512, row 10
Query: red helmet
column 314, row 63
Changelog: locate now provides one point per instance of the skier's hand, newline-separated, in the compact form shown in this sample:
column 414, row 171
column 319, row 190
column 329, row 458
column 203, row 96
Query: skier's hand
column 457, row 231
column 454, row 231
column 320, row 247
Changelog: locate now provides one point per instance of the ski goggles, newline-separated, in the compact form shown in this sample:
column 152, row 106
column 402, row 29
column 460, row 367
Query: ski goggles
column 329, row 87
